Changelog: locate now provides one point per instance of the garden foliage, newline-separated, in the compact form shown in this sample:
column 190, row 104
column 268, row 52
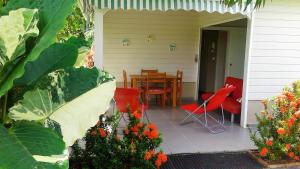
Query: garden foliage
column 52, row 102
column 278, row 131
column 136, row 148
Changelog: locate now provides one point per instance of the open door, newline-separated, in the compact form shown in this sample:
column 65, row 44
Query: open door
column 212, row 60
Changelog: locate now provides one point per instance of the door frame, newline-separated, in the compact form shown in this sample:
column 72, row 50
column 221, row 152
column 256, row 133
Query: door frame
column 248, row 46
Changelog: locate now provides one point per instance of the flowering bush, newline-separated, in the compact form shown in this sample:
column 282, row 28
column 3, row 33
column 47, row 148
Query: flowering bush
column 135, row 148
column 278, row 130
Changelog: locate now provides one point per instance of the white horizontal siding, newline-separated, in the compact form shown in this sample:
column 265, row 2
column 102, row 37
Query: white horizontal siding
column 275, row 55
column 180, row 27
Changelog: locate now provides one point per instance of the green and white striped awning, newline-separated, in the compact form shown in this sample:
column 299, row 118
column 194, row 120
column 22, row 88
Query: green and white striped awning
column 164, row 5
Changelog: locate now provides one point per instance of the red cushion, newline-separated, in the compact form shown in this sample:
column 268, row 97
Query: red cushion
column 232, row 106
column 206, row 96
column 238, row 83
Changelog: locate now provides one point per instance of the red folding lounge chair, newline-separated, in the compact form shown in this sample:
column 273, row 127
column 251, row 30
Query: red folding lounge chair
column 214, row 102
column 129, row 98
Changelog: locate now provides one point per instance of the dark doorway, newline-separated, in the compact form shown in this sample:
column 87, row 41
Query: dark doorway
column 212, row 60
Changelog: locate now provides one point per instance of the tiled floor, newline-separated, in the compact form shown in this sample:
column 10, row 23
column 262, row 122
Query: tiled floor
column 192, row 137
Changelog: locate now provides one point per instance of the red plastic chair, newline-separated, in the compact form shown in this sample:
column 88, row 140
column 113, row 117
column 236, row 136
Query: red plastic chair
column 213, row 103
column 129, row 99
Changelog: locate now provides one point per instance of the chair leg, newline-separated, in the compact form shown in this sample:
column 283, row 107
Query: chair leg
column 189, row 115
column 148, row 121
column 163, row 100
column 179, row 98
column 232, row 118
column 211, row 129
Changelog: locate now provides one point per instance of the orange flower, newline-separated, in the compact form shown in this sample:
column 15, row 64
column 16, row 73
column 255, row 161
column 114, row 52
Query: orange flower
column 281, row 131
column 283, row 109
column 102, row 132
column 287, row 147
column 290, row 96
column 297, row 158
column 270, row 117
column 126, row 131
column 158, row 163
column 140, row 124
column 134, row 129
column 151, row 134
column 137, row 114
column 291, row 121
column 297, row 114
column 294, row 104
column 298, row 101
column 263, row 152
column 152, row 126
column 269, row 143
column 291, row 154
column 280, row 98
column 149, row 154
column 163, row 157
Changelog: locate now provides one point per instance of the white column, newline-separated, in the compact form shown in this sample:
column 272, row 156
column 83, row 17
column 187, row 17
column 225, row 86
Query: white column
column 244, row 113
column 98, row 37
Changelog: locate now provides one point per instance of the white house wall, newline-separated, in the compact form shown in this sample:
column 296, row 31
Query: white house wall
column 275, row 52
column 275, row 55
column 179, row 27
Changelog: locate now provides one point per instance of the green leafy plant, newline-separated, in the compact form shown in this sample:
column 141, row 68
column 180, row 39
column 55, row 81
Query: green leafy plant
column 74, row 26
column 52, row 15
column 277, row 134
column 245, row 3
column 136, row 148
column 50, row 111
column 38, row 106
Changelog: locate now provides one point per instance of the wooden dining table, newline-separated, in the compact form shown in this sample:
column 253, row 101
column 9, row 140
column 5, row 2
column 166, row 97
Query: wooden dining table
column 170, row 78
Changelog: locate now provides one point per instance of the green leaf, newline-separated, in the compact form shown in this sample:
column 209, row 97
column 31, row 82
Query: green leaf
column 52, row 17
column 82, row 52
column 23, row 141
column 78, row 81
column 57, row 56
column 89, row 96
column 16, row 28
column 77, row 116
column 35, row 105
column 83, row 49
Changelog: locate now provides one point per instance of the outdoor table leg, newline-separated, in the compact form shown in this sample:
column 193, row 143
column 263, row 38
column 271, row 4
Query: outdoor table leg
column 174, row 93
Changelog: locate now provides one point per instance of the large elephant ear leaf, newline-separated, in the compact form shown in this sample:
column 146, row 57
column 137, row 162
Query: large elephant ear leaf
column 36, row 105
column 23, row 141
column 57, row 56
column 52, row 17
column 16, row 28
column 78, row 115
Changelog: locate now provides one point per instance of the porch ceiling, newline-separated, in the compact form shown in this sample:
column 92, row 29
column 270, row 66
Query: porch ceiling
column 164, row 5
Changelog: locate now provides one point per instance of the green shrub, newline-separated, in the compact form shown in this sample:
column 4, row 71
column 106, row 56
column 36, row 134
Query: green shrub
column 278, row 130
column 136, row 148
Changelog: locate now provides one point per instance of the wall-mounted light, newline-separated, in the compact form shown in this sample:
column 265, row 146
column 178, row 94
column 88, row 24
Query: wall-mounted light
column 126, row 42
column 150, row 38
column 172, row 47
